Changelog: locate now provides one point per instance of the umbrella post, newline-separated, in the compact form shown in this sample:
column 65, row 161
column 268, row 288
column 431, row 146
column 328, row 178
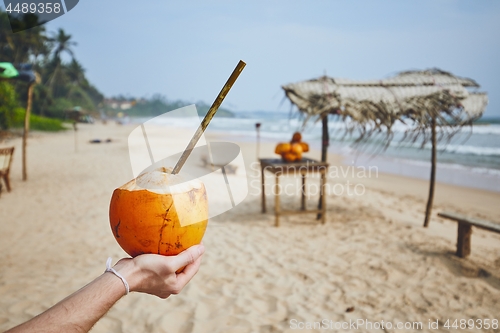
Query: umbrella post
column 433, row 174
column 27, row 127
column 76, row 138
column 325, row 140
column 257, row 128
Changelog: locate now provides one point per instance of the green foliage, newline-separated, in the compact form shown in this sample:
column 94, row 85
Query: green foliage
column 37, row 123
column 58, row 106
column 8, row 103
column 20, row 47
column 222, row 112
column 62, row 84
column 79, row 97
column 159, row 104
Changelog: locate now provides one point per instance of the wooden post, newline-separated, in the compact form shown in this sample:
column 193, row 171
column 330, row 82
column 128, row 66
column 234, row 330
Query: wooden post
column 325, row 139
column 325, row 142
column 303, row 194
column 323, row 196
column 257, row 128
column 463, row 239
column 277, row 208
column 27, row 127
column 433, row 174
column 263, row 182
column 76, row 138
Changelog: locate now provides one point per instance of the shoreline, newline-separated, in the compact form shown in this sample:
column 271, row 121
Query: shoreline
column 481, row 178
column 480, row 203
column 386, row 181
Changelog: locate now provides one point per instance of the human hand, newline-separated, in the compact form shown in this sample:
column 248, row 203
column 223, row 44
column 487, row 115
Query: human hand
column 155, row 274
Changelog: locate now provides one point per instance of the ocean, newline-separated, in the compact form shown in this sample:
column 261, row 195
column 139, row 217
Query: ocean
column 471, row 158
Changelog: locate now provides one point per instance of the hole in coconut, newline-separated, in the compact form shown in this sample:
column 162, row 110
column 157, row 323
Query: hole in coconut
column 165, row 170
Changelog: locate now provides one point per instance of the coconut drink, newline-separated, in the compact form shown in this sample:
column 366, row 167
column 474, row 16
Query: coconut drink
column 163, row 210
column 159, row 212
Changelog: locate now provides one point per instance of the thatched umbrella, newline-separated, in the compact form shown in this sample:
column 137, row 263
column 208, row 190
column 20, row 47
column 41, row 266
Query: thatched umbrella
column 429, row 101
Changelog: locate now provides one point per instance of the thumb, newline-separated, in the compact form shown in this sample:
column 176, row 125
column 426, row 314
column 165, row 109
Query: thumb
column 189, row 256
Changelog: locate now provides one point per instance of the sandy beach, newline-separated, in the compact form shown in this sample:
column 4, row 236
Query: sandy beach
column 371, row 261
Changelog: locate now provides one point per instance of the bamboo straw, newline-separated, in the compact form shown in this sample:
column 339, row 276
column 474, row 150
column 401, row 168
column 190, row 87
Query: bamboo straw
column 208, row 117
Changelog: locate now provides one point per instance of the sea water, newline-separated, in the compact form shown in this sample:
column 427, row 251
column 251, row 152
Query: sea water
column 470, row 158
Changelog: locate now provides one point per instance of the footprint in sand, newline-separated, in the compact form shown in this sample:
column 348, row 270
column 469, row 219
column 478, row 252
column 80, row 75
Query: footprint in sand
column 180, row 321
column 209, row 307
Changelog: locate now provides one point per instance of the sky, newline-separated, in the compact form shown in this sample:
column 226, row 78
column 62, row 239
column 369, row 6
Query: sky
column 187, row 49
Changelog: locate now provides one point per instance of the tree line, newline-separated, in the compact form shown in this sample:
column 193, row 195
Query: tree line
column 63, row 83
column 157, row 105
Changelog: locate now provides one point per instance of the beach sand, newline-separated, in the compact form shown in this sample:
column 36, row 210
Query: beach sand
column 372, row 256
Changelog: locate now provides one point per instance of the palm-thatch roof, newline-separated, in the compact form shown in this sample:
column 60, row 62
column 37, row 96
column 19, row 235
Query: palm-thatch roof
column 375, row 105
column 427, row 101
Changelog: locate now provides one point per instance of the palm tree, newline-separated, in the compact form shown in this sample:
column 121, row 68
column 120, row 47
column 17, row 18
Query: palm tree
column 62, row 43
column 77, row 92
column 23, row 46
column 75, row 72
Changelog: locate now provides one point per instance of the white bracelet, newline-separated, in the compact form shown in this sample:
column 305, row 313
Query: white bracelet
column 112, row 270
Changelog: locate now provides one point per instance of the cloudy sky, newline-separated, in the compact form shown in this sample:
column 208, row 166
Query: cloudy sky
column 187, row 49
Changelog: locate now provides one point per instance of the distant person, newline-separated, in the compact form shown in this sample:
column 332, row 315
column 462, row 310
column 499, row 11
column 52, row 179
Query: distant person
column 148, row 273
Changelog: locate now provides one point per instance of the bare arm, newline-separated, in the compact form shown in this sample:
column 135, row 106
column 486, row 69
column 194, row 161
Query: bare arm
column 147, row 273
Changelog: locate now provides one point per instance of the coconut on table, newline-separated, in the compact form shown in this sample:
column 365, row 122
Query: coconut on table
column 292, row 151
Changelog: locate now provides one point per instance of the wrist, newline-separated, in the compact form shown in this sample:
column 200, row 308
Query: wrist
column 127, row 268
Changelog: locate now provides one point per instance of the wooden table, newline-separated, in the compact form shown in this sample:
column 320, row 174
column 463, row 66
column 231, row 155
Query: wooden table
column 280, row 167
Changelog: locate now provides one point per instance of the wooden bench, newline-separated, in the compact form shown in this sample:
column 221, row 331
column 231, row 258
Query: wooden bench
column 465, row 230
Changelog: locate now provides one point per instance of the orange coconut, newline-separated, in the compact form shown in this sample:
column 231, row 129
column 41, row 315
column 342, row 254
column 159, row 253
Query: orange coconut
column 297, row 137
column 289, row 157
column 282, row 148
column 159, row 213
column 297, row 148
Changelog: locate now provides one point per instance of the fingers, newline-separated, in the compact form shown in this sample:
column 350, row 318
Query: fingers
column 156, row 273
column 188, row 256
column 188, row 273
